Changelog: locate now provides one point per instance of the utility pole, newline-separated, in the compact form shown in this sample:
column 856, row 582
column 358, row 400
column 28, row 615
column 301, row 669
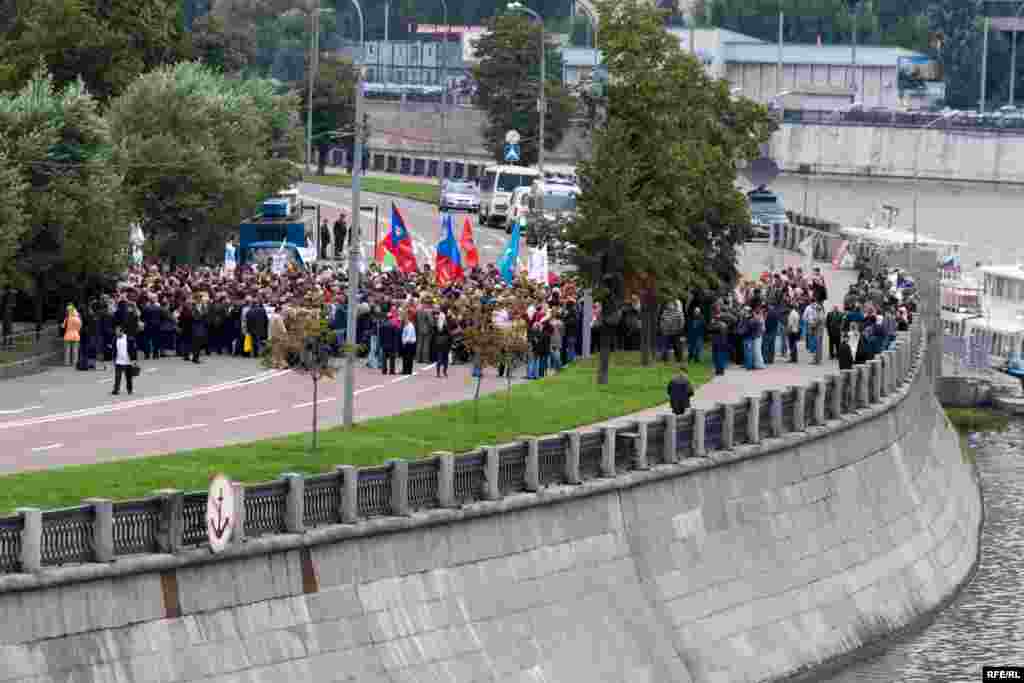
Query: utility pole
column 778, row 64
column 348, row 404
column 444, row 93
column 314, row 50
column 853, row 51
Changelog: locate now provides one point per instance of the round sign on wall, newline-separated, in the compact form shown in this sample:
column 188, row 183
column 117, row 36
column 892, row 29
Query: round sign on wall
column 512, row 137
column 220, row 513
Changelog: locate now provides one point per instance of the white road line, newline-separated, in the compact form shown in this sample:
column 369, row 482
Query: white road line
column 18, row 411
column 365, row 389
column 246, row 417
column 307, row 405
column 401, row 379
column 113, row 407
column 51, row 447
column 155, row 369
column 170, row 429
column 425, row 368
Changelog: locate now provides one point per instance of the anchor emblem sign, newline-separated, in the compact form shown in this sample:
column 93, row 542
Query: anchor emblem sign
column 220, row 507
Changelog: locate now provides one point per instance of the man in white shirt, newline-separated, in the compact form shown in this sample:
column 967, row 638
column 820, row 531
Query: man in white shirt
column 122, row 362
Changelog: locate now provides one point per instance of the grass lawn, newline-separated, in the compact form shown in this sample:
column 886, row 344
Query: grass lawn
column 977, row 420
column 558, row 402
column 422, row 192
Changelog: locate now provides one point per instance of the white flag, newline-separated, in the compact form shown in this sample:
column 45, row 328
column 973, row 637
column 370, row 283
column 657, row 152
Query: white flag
column 539, row 264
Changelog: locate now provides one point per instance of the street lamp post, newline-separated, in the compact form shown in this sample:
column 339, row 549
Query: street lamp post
column 444, row 93
column 542, row 101
column 348, row 405
column 314, row 66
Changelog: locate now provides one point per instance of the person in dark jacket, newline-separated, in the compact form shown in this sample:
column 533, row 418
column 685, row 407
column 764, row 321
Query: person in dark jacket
column 217, row 319
column 834, row 326
column 200, row 331
column 390, row 343
column 257, row 324
column 185, row 317
column 150, row 336
column 720, row 343
column 168, row 330
column 695, row 336
column 844, row 353
column 680, row 391
column 442, row 345
column 771, row 333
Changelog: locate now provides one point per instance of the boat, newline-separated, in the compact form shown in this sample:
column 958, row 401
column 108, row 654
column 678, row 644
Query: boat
column 988, row 307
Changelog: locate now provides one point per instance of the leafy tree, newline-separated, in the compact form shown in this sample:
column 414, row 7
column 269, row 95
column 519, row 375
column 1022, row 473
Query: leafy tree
column 489, row 344
column 228, row 47
column 659, row 208
column 960, row 56
column 333, row 105
column 199, row 150
column 507, row 77
column 107, row 44
column 73, row 232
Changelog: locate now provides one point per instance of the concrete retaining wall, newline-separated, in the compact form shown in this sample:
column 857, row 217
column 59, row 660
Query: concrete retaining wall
column 901, row 152
column 745, row 566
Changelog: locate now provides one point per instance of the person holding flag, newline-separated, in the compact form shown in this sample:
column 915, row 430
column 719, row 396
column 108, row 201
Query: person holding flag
column 469, row 246
column 398, row 244
column 447, row 259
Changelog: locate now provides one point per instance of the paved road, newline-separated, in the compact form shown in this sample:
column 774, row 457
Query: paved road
column 69, row 417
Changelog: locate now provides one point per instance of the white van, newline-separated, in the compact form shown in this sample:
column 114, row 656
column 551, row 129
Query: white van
column 496, row 188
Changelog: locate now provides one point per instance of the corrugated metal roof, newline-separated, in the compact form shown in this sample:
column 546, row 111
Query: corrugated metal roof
column 834, row 55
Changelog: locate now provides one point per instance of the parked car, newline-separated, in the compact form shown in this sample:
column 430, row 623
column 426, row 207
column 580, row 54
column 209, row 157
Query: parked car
column 457, row 195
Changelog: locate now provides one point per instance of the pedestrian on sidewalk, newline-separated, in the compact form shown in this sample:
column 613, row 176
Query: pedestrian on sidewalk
column 442, row 344
column 390, row 342
column 72, row 335
column 408, row 344
column 680, row 391
column 719, row 343
column 793, row 323
column 124, row 349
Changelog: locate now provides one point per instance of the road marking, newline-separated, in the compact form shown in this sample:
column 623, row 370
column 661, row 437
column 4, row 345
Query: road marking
column 365, row 389
column 169, row 429
column 18, row 411
column 155, row 369
column 246, row 417
column 114, row 407
column 52, row 446
column 400, row 379
column 307, row 405
column 425, row 368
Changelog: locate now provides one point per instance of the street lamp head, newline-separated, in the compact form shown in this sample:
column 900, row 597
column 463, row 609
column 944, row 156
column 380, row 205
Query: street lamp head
column 514, row 6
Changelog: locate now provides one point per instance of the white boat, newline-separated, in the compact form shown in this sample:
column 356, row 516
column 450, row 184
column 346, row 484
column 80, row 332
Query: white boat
column 989, row 304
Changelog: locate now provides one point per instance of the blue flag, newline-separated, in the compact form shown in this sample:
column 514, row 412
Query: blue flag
column 510, row 257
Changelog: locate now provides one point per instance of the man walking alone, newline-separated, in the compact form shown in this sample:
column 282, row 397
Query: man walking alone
column 122, row 361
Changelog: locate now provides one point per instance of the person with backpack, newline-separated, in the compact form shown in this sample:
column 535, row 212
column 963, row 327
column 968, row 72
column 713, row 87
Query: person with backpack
column 695, row 336
column 672, row 326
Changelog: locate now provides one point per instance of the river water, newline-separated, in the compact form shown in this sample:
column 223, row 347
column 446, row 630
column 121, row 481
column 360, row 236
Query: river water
column 986, row 216
column 983, row 625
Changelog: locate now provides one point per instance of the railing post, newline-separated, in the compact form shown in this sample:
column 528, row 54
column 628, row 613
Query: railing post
column 700, row 424
column 753, row 419
column 640, row 459
column 836, row 409
column 492, row 471
column 608, row 452
column 445, row 479
column 776, row 412
column 295, row 507
column 31, row 539
column 349, row 494
column 170, row 533
column 800, row 410
column 532, row 474
column 885, row 367
column 849, row 387
column 102, row 528
column 863, row 389
column 572, row 458
column 819, row 402
column 875, row 373
column 669, row 454
column 728, row 426
column 238, row 528
column 399, row 488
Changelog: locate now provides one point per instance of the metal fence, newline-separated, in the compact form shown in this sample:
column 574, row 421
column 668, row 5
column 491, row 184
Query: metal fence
column 992, row 123
column 170, row 521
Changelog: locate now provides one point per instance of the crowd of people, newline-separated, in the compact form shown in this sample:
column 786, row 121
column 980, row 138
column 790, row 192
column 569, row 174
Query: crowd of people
column 192, row 313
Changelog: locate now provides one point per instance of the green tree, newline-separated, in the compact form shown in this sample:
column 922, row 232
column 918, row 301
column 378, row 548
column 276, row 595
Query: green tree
column 73, row 233
column 659, row 214
column 333, row 105
column 199, row 150
column 507, row 79
column 107, row 44
column 231, row 48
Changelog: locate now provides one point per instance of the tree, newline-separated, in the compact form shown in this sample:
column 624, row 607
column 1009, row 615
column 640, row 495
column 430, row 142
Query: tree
column 107, row 44
column 334, row 106
column 507, row 78
column 231, row 48
column 960, row 56
column 199, row 151
column 489, row 344
column 74, row 231
column 659, row 203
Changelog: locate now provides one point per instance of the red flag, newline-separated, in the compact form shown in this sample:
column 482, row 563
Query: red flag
column 468, row 246
column 399, row 243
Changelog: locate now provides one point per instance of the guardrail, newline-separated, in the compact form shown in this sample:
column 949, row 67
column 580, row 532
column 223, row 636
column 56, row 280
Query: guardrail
column 26, row 352
column 101, row 531
column 993, row 122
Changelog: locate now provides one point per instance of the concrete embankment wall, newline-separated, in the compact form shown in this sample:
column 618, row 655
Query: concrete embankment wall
column 748, row 565
column 973, row 155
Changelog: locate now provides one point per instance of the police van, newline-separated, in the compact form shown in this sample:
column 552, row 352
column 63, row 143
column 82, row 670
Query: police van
column 496, row 188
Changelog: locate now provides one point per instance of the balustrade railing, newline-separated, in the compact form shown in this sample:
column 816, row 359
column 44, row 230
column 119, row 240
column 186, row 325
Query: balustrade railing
column 100, row 531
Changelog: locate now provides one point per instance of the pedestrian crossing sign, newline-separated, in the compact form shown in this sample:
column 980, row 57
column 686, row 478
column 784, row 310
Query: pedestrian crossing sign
column 511, row 152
